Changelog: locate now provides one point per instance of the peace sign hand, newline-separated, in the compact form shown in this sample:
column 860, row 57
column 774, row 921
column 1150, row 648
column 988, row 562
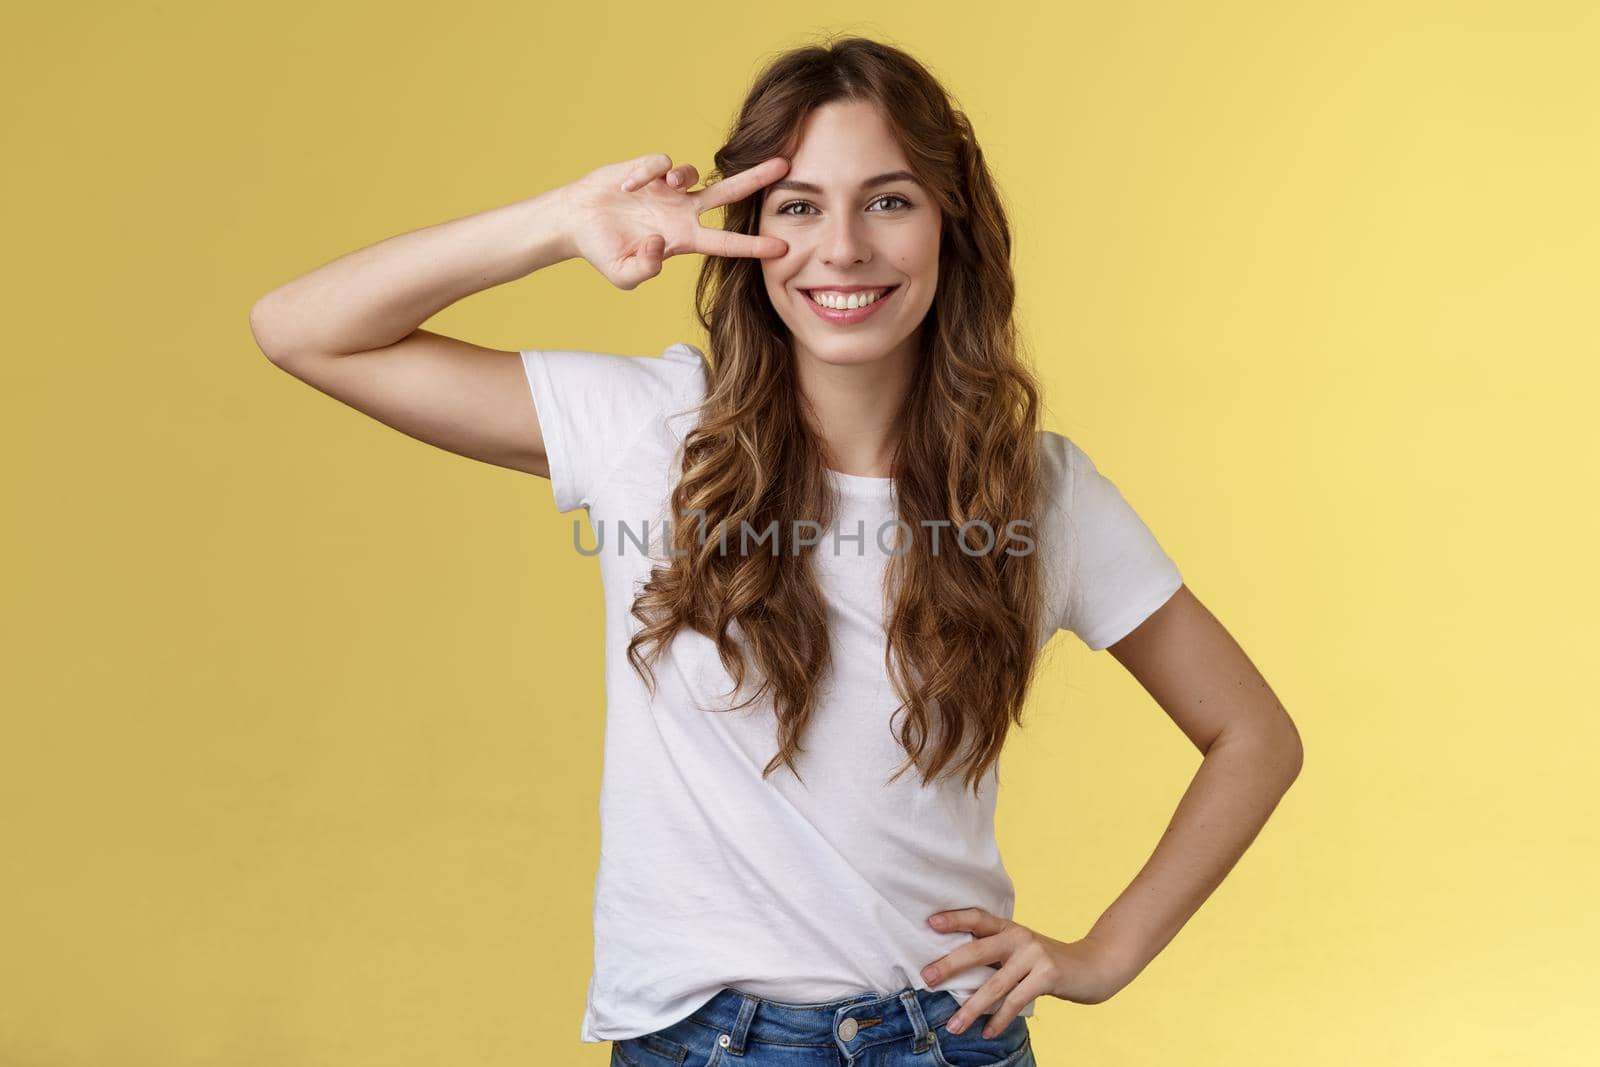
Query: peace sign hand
column 627, row 217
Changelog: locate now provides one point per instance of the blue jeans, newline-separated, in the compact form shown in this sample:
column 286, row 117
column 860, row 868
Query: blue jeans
column 904, row 1029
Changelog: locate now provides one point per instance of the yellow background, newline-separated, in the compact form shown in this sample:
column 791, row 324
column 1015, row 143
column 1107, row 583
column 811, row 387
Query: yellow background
column 302, row 717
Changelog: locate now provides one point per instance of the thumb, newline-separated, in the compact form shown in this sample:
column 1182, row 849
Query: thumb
column 647, row 261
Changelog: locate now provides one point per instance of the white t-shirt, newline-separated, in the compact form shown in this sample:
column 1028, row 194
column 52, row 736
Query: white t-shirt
column 710, row 876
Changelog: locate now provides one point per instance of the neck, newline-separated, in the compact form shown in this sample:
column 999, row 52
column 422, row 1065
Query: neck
column 854, row 406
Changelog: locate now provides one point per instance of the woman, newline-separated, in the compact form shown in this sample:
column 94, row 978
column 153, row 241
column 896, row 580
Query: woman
column 830, row 560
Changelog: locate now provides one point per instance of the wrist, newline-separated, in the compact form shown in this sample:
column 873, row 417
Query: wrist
column 548, row 224
column 1118, row 961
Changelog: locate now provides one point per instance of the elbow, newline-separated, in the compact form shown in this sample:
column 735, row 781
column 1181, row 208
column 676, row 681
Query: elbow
column 267, row 327
column 1288, row 753
column 1299, row 760
column 1272, row 749
column 259, row 327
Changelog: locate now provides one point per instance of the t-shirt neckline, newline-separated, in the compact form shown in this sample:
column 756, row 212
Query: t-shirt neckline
column 859, row 484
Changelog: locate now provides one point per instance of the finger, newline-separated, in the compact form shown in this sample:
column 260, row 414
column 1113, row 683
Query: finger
column 714, row 242
column 975, row 952
column 682, row 177
column 984, row 998
column 643, row 170
column 996, row 1025
column 1011, row 1006
column 939, row 969
column 982, row 923
column 647, row 261
column 646, row 169
column 972, row 954
column 742, row 184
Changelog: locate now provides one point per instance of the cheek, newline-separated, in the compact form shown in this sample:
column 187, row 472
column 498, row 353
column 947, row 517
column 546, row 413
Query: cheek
column 775, row 275
column 916, row 253
column 775, row 281
column 779, row 271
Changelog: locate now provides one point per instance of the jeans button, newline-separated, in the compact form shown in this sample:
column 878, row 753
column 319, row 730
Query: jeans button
column 847, row 1030
column 724, row 1040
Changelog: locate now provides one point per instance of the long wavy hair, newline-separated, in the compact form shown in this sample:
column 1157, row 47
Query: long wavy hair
column 962, row 625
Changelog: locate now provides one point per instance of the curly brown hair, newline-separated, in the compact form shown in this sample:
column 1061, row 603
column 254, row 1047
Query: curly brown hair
column 963, row 628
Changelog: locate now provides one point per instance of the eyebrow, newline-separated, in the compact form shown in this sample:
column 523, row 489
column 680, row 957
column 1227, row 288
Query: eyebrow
column 816, row 190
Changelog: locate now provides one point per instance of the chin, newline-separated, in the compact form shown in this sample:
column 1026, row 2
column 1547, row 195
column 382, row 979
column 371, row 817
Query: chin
column 848, row 351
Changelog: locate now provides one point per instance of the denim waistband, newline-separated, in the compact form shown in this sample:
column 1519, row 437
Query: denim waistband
column 745, row 1017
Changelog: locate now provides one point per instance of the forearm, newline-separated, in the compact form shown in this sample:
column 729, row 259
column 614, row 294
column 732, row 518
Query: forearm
column 1239, row 783
column 378, row 295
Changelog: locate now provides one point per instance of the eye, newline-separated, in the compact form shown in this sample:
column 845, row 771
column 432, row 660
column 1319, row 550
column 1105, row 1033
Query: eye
column 903, row 204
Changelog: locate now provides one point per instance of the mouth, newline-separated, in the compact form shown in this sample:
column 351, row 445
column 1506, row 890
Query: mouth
column 845, row 316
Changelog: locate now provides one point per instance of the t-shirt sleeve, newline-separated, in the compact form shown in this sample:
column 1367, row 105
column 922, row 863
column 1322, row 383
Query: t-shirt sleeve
column 1119, row 573
column 592, row 406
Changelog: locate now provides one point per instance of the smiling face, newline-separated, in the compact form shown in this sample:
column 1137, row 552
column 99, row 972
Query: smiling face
column 846, row 231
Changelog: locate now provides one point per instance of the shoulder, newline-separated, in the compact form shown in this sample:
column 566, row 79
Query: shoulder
column 1119, row 571
column 1075, row 480
column 691, row 376
column 686, row 365
column 679, row 368
column 612, row 390
column 1061, row 462
column 597, row 410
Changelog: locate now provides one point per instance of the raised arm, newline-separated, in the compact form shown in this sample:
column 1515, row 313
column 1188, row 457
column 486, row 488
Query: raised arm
column 351, row 328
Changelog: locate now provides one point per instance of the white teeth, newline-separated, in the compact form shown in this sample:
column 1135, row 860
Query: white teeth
column 846, row 301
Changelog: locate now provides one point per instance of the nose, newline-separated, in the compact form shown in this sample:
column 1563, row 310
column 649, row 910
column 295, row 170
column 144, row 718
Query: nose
column 844, row 241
